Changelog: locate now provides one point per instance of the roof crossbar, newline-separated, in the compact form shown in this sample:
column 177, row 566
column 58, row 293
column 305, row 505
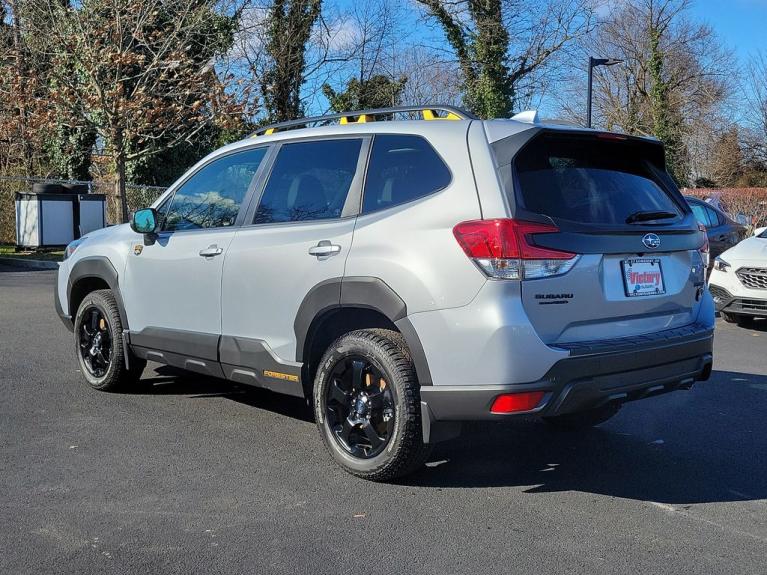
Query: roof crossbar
column 429, row 112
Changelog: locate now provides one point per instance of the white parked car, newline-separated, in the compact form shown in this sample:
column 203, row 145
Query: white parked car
column 738, row 281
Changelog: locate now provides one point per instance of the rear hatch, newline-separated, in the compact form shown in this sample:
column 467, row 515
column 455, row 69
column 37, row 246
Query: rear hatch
column 638, row 270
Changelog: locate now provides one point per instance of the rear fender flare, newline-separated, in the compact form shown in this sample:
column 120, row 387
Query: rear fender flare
column 359, row 292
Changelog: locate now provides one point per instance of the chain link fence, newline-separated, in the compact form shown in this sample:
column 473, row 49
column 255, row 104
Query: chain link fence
column 138, row 197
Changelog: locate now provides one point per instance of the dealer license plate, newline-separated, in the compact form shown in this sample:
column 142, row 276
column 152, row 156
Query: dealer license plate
column 643, row 277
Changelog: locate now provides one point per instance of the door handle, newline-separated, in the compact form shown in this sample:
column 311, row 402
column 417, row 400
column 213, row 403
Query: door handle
column 324, row 248
column 721, row 238
column 211, row 251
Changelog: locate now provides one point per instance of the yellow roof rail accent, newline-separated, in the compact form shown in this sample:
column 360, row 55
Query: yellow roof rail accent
column 430, row 115
column 267, row 132
column 363, row 119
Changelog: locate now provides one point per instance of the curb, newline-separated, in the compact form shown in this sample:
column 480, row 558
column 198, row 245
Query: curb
column 29, row 264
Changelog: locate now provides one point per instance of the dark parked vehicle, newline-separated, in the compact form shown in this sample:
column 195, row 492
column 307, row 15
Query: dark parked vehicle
column 723, row 231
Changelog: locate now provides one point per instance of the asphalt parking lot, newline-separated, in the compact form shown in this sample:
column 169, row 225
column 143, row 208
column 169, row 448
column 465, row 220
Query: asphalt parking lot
column 199, row 476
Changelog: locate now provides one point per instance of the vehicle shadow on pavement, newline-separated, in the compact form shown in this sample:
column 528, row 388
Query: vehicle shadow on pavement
column 756, row 324
column 167, row 380
column 691, row 450
column 707, row 445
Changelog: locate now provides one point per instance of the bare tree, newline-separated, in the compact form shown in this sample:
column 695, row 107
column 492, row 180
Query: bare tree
column 144, row 72
column 755, row 92
column 674, row 77
column 367, row 38
column 288, row 50
column 503, row 47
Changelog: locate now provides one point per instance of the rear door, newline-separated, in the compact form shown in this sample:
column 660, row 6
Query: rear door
column 639, row 270
column 296, row 236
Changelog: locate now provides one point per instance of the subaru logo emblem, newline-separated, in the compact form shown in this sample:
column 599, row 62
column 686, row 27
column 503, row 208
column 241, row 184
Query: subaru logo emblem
column 651, row 241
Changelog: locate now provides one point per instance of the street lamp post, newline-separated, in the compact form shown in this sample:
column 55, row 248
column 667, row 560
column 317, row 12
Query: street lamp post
column 593, row 63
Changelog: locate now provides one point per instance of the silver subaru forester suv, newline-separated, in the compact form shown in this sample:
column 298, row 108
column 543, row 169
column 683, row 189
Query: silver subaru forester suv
column 405, row 270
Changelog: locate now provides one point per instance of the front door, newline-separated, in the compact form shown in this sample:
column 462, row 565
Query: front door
column 172, row 285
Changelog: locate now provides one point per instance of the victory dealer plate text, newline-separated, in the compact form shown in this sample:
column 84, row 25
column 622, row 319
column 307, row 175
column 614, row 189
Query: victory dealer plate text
column 643, row 277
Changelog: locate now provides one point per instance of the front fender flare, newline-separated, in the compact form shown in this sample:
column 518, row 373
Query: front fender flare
column 96, row 267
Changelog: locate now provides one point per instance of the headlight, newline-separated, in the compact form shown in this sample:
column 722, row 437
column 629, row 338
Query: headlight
column 72, row 246
column 721, row 265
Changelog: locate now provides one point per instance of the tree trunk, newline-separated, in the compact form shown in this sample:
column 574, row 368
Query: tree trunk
column 21, row 71
column 119, row 159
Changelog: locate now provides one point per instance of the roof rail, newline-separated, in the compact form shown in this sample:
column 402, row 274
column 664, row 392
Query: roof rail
column 428, row 112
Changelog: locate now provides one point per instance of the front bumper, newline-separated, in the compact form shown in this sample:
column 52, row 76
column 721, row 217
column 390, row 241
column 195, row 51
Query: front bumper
column 728, row 303
column 595, row 373
column 65, row 317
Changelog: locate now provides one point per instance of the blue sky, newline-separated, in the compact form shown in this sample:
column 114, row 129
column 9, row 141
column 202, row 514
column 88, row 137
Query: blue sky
column 741, row 24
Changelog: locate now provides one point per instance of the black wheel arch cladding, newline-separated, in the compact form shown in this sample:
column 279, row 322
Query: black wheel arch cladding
column 96, row 268
column 357, row 292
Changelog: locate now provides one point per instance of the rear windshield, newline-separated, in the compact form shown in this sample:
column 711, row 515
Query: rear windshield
column 587, row 180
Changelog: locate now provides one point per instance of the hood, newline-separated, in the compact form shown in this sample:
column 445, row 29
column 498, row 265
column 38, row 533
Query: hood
column 109, row 230
column 753, row 249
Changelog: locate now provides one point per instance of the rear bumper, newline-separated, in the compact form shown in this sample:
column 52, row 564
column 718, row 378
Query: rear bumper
column 595, row 373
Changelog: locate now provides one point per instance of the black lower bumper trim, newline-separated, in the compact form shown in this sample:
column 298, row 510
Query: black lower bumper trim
column 746, row 306
column 586, row 381
column 725, row 302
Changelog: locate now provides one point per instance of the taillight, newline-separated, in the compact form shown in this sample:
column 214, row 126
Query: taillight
column 503, row 249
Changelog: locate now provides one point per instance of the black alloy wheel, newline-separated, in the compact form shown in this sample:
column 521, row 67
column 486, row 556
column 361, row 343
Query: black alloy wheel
column 359, row 407
column 99, row 346
column 96, row 342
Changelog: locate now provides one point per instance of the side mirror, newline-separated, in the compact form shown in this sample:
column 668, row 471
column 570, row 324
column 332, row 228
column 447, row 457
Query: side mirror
column 144, row 221
column 759, row 231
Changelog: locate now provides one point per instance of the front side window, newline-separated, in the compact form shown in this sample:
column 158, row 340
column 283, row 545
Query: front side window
column 212, row 197
column 402, row 169
column 309, row 181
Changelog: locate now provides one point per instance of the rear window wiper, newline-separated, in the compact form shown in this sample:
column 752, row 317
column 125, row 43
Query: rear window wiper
column 647, row 216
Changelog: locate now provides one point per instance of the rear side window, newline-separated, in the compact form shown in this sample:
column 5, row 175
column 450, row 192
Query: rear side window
column 590, row 181
column 402, row 169
column 715, row 218
column 309, row 181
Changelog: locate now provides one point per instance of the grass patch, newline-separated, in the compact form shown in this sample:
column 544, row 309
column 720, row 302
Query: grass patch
column 48, row 255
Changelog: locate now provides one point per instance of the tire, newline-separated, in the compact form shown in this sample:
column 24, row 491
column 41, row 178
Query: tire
column 729, row 318
column 105, row 370
column 584, row 419
column 347, row 407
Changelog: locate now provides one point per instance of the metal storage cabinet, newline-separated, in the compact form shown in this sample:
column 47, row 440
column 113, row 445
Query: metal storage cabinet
column 92, row 214
column 53, row 220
